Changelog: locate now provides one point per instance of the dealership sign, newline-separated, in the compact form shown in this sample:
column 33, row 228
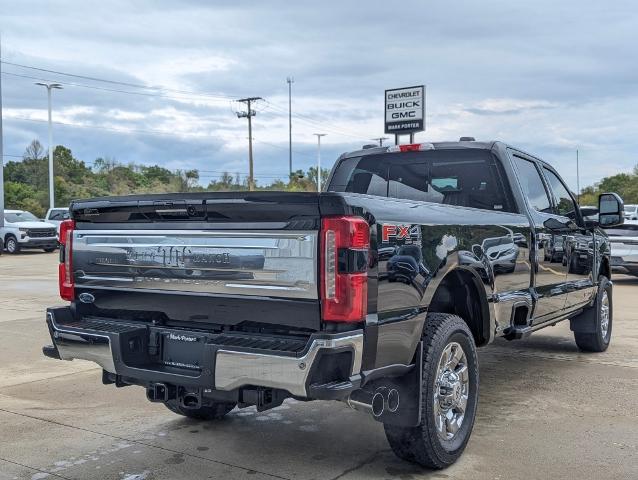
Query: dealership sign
column 405, row 110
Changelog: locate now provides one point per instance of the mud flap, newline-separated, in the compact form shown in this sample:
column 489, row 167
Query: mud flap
column 409, row 387
column 584, row 322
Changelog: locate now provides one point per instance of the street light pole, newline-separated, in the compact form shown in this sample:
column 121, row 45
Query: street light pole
column 319, row 135
column 49, row 87
column 290, row 81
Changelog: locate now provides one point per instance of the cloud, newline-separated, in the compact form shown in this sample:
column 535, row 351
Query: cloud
column 550, row 77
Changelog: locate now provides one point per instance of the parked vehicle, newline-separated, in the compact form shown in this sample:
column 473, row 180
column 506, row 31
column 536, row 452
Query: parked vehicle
column 215, row 300
column 631, row 212
column 22, row 229
column 56, row 216
column 501, row 252
column 624, row 247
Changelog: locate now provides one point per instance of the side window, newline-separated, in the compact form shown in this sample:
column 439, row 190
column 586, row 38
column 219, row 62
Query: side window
column 58, row 215
column 563, row 200
column 365, row 176
column 532, row 185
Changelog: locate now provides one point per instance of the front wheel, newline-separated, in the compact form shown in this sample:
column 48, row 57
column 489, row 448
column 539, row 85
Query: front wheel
column 12, row 245
column 449, row 396
column 599, row 340
column 215, row 411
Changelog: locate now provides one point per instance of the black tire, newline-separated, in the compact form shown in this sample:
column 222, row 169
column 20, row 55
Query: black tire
column 214, row 411
column 598, row 341
column 422, row 444
column 12, row 245
column 49, row 250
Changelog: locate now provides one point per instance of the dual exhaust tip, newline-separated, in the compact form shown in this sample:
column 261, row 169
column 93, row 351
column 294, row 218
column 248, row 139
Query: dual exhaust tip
column 376, row 403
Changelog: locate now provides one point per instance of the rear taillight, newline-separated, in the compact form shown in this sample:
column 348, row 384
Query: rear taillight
column 344, row 258
column 65, row 269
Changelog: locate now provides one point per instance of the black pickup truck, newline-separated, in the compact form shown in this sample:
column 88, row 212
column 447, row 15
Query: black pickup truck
column 375, row 292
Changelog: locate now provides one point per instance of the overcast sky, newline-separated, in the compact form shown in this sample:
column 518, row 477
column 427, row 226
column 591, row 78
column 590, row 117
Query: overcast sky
column 547, row 76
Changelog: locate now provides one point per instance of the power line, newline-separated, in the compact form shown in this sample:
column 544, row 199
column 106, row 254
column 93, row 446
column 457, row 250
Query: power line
column 315, row 123
column 159, row 88
column 146, row 94
column 116, row 82
column 149, row 132
column 105, row 89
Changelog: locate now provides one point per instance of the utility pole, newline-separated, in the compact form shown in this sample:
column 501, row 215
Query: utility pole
column 380, row 140
column 249, row 113
column 49, row 87
column 290, row 81
column 319, row 135
column 577, row 179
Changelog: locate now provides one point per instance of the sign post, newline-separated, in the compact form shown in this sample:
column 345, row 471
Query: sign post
column 405, row 111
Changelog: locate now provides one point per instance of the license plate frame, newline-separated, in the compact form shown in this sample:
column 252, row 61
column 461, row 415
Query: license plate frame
column 183, row 350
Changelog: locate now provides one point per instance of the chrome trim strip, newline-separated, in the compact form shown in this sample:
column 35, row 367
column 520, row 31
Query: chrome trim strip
column 73, row 345
column 215, row 233
column 237, row 369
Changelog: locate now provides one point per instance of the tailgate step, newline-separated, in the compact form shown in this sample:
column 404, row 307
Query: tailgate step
column 259, row 342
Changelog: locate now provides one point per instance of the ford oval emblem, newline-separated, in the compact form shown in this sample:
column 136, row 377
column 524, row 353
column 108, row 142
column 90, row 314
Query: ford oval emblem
column 86, row 298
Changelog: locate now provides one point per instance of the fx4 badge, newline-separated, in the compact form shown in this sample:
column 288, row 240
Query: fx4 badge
column 400, row 232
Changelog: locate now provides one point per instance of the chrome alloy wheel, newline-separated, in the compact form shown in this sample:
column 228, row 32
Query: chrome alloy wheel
column 451, row 391
column 604, row 315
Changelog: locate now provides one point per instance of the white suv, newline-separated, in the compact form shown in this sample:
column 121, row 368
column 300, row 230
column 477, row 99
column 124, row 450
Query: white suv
column 631, row 212
column 24, row 230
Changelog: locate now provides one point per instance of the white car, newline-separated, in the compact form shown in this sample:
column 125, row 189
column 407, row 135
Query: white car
column 631, row 212
column 624, row 247
column 56, row 216
column 22, row 229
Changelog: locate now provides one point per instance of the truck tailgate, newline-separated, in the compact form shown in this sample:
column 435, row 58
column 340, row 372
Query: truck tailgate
column 223, row 259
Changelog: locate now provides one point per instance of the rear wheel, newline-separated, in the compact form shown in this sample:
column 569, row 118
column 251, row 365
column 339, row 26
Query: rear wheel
column 215, row 411
column 599, row 340
column 12, row 245
column 449, row 396
column 49, row 250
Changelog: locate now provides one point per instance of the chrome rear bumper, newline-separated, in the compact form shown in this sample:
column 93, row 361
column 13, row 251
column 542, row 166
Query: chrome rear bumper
column 222, row 367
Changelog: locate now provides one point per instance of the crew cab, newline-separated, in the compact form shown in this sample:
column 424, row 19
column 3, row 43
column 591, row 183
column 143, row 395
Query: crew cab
column 22, row 230
column 375, row 292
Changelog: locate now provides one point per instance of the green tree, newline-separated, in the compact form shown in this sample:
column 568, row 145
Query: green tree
column 624, row 184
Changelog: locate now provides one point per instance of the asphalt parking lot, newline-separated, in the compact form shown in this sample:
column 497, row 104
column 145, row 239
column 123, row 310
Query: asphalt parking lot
column 546, row 411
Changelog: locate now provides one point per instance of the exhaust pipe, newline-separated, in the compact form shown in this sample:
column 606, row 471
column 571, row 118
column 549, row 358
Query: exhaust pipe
column 368, row 402
column 375, row 403
column 392, row 400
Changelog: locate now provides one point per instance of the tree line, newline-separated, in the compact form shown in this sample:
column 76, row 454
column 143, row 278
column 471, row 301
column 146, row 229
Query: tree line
column 624, row 184
column 26, row 184
column 26, row 181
